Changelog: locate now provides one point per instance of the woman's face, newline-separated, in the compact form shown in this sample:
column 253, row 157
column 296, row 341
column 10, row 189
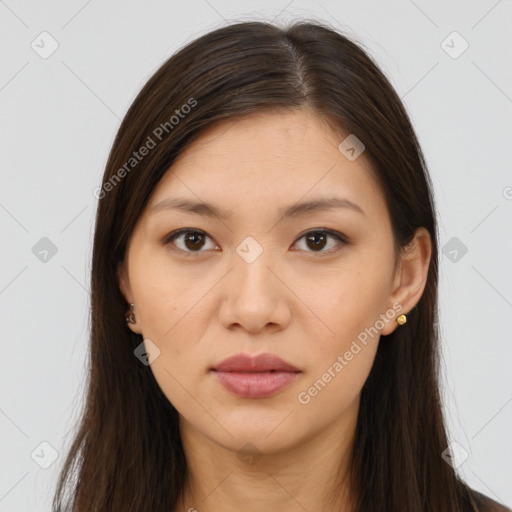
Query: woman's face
column 256, row 277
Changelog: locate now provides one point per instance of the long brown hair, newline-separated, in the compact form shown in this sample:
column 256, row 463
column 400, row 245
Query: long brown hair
column 127, row 453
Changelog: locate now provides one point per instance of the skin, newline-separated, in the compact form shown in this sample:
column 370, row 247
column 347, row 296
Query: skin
column 201, row 307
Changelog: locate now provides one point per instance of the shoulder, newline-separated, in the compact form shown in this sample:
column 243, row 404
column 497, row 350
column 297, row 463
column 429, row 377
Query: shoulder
column 487, row 504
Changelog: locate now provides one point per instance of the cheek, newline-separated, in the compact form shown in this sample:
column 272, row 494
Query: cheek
column 179, row 367
column 346, row 303
column 336, row 389
column 349, row 305
column 173, row 310
column 340, row 363
column 165, row 297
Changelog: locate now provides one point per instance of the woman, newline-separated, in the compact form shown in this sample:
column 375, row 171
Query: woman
column 264, row 292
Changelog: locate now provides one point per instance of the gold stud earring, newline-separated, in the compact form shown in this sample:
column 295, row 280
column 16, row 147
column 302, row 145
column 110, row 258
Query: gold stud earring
column 401, row 320
column 130, row 317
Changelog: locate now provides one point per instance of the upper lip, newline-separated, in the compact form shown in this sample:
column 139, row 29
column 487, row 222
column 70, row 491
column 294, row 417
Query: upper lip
column 259, row 363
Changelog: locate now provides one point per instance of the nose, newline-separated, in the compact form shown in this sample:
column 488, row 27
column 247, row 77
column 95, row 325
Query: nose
column 255, row 298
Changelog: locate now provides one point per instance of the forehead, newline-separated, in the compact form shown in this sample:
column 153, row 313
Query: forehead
column 283, row 134
column 271, row 158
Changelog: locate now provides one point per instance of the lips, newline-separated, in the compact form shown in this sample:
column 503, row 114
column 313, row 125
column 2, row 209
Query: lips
column 260, row 376
column 259, row 363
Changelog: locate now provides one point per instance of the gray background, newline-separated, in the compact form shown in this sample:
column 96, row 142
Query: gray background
column 59, row 115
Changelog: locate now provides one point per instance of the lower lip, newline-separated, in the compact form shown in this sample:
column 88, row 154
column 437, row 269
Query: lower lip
column 255, row 384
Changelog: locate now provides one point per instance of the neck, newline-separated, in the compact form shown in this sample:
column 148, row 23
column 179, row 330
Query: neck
column 312, row 476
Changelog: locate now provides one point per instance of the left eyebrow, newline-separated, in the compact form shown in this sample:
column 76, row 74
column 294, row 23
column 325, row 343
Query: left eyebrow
column 295, row 210
column 319, row 205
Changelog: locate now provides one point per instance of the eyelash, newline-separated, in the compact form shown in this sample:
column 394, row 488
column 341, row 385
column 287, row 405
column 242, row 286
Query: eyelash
column 338, row 236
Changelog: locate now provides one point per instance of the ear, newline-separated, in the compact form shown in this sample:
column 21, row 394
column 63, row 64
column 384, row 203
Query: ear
column 124, row 286
column 410, row 276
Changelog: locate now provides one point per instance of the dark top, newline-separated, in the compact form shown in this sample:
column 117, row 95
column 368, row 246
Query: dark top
column 487, row 504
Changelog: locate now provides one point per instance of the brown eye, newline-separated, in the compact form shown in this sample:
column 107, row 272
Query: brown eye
column 188, row 240
column 193, row 241
column 317, row 240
